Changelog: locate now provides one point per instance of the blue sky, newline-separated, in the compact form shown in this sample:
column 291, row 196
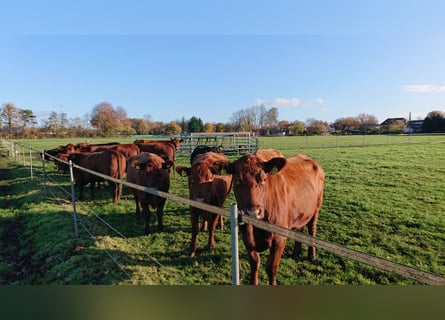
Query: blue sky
column 174, row 59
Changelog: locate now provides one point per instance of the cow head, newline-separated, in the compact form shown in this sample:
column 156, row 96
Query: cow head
column 200, row 178
column 250, row 174
column 204, row 176
column 63, row 167
column 154, row 169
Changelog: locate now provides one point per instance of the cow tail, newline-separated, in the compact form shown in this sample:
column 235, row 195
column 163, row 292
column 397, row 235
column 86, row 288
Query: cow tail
column 120, row 171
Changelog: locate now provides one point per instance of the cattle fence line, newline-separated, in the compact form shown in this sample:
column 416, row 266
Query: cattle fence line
column 238, row 217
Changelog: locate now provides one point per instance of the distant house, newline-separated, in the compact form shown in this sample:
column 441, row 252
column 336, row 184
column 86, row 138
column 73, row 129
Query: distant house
column 390, row 123
column 414, row 126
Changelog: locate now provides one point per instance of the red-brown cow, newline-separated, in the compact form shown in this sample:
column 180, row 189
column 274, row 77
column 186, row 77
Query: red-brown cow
column 149, row 170
column 207, row 187
column 285, row 192
column 127, row 149
column 164, row 148
column 108, row 162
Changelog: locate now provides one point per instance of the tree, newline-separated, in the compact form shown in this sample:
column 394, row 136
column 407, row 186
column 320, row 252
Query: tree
column 316, row 126
column 219, row 127
column 26, row 117
column 347, row 124
column 141, row 126
column 434, row 122
column 53, row 123
column 271, row 118
column 208, row 127
column 297, row 127
column 105, row 119
column 195, row 125
column 367, row 122
column 172, row 128
column 10, row 114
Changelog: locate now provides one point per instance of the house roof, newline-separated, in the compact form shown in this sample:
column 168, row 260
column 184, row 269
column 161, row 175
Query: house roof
column 396, row 121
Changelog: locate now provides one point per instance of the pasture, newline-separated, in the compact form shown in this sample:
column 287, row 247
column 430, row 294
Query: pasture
column 383, row 196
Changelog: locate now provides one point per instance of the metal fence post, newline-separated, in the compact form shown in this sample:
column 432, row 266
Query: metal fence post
column 73, row 199
column 234, row 243
column 30, row 162
column 44, row 171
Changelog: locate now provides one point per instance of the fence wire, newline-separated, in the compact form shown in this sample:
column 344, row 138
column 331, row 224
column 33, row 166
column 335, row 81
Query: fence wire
column 382, row 264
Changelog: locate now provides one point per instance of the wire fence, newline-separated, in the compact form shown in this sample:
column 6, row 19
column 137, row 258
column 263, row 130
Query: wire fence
column 236, row 218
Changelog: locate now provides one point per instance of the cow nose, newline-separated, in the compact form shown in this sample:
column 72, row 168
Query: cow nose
column 256, row 212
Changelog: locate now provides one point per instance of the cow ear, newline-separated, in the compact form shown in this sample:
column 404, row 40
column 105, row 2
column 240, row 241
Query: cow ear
column 182, row 169
column 221, row 168
column 274, row 165
column 136, row 164
column 167, row 164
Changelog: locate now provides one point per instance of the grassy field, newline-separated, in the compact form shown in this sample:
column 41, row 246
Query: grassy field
column 383, row 196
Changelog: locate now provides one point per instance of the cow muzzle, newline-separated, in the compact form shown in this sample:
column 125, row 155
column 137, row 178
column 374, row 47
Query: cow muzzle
column 256, row 212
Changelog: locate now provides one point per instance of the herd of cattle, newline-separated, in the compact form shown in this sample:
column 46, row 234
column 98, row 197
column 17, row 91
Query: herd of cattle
column 287, row 192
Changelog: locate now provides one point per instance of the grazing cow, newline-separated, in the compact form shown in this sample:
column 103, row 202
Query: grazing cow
column 149, row 170
column 285, row 192
column 204, row 149
column 107, row 162
column 164, row 148
column 207, row 187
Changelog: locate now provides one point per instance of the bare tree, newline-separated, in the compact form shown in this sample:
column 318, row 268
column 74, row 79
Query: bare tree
column 10, row 114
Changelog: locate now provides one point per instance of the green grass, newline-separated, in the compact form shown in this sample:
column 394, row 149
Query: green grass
column 383, row 196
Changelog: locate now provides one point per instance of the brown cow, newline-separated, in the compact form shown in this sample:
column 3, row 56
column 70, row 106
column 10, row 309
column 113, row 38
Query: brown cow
column 149, row 170
column 108, row 162
column 207, row 187
column 285, row 192
column 164, row 148
column 127, row 149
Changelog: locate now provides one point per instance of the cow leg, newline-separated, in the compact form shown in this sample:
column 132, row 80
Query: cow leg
column 159, row 212
column 92, row 191
column 115, row 190
column 80, row 190
column 205, row 224
column 194, row 218
column 138, row 209
column 146, row 213
column 221, row 222
column 296, row 253
column 273, row 262
column 213, row 222
column 312, row 230
column 254, row 259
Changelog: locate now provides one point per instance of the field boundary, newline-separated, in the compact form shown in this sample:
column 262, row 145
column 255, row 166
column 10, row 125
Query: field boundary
column 341, row 251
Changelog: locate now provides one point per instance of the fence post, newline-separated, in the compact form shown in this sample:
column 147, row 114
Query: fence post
column 44, row 171
column 30, row 161
column 73, row 199
column 234, row 243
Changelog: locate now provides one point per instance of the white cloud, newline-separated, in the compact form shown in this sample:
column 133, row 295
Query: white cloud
column 316, row 101
column 285, row 102
column 290, row 102
column 423, row 88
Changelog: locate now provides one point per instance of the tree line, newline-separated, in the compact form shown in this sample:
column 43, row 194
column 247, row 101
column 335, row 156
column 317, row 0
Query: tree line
column 106, row 120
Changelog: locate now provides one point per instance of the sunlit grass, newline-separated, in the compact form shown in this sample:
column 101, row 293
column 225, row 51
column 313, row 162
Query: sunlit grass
column 383, row 196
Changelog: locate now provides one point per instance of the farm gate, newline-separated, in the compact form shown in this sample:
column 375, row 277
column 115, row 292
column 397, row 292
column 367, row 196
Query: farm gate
column 231, row 143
